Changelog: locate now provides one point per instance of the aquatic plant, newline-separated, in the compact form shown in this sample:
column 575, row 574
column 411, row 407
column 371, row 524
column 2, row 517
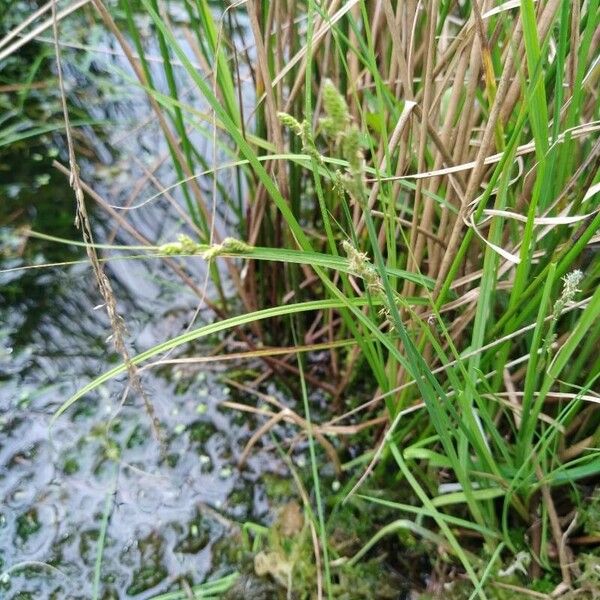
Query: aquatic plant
column 450, row 149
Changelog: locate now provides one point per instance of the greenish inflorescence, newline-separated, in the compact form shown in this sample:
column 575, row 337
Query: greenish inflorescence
column 185, row 246
column 338, row 119
column 303, row 131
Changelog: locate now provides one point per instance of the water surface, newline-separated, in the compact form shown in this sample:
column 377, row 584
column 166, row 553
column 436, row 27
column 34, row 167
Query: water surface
column 99, row 466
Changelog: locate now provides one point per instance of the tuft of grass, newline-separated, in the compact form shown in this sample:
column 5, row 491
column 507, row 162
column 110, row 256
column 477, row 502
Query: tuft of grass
column 421, row 179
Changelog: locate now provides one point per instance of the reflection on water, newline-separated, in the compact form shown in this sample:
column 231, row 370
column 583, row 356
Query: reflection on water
column 59, row 480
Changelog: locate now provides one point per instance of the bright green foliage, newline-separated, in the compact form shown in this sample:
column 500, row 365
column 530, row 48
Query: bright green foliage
column 452, row 156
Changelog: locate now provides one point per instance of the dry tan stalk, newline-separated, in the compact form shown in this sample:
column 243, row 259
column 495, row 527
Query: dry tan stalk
column 324, row 331
column 517, row 412
column 428, row 234
column 414, row 257
column 460, row 44
column 264, row 428
column 17, row 87
column 325, row 428
column 564, row 554
column 574, row 132
column 488, row 67
column 310, row 332
column 460, row 324
column 359, row 217
column 446, row 136
column 476, row 175
column 456, row 178
column 379, row 450
column 410, row 27
column 248, row 355
column 577, row 449
column 562, row 396
column 376, row 19
column 283, row 365
column 273, row 9
column 82, row 222
column 584, row 540
column 318, row 382
column 398, row 61
column 263, row 69
column 395, row 77
column 580, row 421
column 465, row 125
column 322, row 28
column 544, row 23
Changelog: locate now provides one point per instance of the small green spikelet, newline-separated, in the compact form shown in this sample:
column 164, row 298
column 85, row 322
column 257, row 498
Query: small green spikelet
column 170, row 249
column 569, row 291
column 308, row 143
column 337, row 120
column 352, row 150
column 290, row 122
column 228, row 246
column 188, row 245
column 361, row 267
column 183, row 245
column 339, row 187
column 302, row 130
column 338, row 126
column 570, row 282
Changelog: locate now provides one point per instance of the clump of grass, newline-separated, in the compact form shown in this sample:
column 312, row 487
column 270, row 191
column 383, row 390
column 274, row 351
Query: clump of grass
column 455, row 143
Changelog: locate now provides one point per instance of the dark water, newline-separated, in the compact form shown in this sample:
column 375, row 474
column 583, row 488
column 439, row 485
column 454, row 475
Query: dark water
column 165, row 509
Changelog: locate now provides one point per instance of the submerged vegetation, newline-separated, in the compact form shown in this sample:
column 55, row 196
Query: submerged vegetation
column 398, row 205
